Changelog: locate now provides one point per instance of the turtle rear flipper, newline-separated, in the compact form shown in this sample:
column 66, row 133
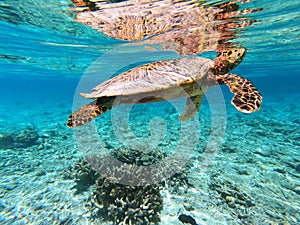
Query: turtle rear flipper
column 247, row 98
column 192, row 107
column 90, row 111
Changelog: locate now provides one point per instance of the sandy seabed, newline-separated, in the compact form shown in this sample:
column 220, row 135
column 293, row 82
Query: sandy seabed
column 254, row 178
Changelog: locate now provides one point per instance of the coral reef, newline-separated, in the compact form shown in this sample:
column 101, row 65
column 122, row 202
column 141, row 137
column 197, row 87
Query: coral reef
column 139, row 157
column 124, row 204
column 83, row 175
column 6, row 140
column 26, row 138
column 21, row 139
column 116, row 202
column 231, row 194
column 138, row 167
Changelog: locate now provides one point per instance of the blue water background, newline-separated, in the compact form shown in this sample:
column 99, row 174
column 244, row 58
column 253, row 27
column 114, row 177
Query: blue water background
column 44, row 55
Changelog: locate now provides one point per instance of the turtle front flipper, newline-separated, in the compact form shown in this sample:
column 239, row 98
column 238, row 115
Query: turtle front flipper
column 247, row 98
column 192, row 107
column 90, row 111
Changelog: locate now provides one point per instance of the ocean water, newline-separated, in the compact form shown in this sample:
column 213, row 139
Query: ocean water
column 221, row 167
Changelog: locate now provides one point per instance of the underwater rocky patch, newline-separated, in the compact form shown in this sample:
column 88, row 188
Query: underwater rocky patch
column 139, row 157
column 119, row 203
column 20, row 139
column 187, row 219
column 5, row 140
column 125, row 204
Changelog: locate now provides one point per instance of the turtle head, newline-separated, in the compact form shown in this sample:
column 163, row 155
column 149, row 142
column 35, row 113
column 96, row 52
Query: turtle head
column 227, row 60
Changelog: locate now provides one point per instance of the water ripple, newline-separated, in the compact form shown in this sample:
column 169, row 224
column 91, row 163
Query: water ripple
column 44, row 35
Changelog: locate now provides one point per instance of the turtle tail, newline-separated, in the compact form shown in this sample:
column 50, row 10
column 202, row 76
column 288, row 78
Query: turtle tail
column 90, row 111
column 247, row 98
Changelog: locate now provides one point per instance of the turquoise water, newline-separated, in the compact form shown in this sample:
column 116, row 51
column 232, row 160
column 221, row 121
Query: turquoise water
column 46, row 59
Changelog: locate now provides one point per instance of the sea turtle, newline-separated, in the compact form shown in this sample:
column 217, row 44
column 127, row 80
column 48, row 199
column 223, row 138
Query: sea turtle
column 171, row 79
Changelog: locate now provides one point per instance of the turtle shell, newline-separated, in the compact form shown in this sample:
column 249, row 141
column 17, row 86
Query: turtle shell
column 153, row 77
